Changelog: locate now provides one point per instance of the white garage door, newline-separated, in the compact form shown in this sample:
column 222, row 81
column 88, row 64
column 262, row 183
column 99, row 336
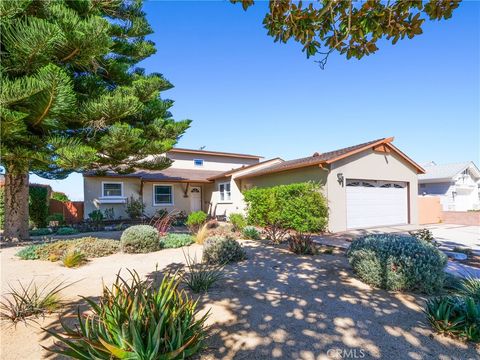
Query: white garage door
column 376, row 203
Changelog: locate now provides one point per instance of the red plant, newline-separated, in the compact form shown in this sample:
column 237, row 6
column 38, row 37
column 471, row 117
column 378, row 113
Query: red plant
column 163, row 222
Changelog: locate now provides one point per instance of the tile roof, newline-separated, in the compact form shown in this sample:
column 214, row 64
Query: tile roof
column 445, row 171
column 315, row 159
column 170, row 174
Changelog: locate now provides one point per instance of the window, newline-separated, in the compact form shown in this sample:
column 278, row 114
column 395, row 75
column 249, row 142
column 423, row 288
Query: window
column 112, row 189
column 162, row 195
column 198, row 162
column 225, row 194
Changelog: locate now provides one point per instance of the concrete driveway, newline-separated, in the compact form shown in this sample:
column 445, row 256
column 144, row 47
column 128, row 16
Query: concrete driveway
column 450, row 235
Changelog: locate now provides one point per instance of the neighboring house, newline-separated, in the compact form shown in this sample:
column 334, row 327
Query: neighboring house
column 366, row 185
column 457, row 185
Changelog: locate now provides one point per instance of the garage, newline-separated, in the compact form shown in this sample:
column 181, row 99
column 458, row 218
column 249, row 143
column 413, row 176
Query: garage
column 376, row 203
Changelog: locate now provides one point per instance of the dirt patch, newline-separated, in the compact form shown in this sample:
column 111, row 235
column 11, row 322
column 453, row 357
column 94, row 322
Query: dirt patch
column 275, row 305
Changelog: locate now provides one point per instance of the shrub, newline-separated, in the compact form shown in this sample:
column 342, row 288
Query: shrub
column 96, row 217
column 140, row 239
column 299, row 207
column 31, row 300
column 202, row 234
column 301, row 245
column 136, row 320
column 173, row 240
column 73, row 258
column 59, row 196
column 200, row 276
column 424, row 234
column 91, row 247
column 40, row 232
column 250, row 232
column 455, row 316
column 222, row 251
column 238, row 221
column 195, row 220
column 135, row 207
column 66, row 231
column 163, row 221
column 29, row 253
column 38, row 205
column 55, row 218
column 396, row 262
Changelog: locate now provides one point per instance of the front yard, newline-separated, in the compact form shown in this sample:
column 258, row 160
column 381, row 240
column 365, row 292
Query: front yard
column 275, row 305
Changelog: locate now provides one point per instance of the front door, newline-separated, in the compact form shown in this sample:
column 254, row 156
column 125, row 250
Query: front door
column 195, row 199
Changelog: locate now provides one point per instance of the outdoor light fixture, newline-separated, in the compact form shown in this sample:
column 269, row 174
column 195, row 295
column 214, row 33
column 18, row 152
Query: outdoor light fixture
column 340, row 178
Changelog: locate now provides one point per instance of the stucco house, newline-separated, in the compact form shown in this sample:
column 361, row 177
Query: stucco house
column 366, row 185
column 457, row 185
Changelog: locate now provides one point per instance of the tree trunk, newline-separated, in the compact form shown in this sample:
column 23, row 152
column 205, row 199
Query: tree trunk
column 16, row 207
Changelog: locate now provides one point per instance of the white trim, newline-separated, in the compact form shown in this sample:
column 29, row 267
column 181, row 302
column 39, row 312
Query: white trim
column 112, row 197
column 225, row 200
column 163, row 204
column 198, row 160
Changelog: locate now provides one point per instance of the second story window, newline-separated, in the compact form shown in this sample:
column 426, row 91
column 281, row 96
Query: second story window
column 198, row 162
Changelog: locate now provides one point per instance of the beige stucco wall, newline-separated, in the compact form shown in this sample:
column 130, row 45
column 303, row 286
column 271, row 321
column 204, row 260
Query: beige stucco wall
column 210, row 162
column 372, row 166
column 93, row 191
column 131, row 187
column 236, row 204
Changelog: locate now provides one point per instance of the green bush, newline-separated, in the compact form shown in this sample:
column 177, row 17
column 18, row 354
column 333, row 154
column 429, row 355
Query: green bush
column 140, row 239
column 136, row 320
column 135, row 207
column 424, row 234
column 38, row 205
column 250, row 232
column 59, row 196
column 96, row 217
column 218, row 250
column 29, row 253
column 40, row 232
column 66, row 231
column 173, row 240
column 195, row 220
column 238, row 221
column 299, row 207
column 57, row 218
column 397, row 262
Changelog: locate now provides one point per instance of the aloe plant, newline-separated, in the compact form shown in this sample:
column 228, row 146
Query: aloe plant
column 135, row 320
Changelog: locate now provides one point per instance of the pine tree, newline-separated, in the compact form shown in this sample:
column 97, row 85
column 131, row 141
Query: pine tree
column 72, row 97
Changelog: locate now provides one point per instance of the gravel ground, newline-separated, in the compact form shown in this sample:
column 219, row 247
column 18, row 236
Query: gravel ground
column 275, row 305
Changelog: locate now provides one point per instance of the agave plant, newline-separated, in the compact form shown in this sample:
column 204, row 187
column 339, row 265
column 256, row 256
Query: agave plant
column 25, row 301
column 73, row 258
column 455, row 316
column 470, row 286
column 135, row 320
column 200, row 276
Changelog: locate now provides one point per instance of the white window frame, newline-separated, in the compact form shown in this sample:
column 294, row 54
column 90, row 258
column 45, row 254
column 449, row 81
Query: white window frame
column 225, row 200
column 163, row 204
column 112, row 196
column 201, row 165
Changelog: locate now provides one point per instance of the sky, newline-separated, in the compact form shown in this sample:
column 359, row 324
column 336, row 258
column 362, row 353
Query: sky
column 245, row 93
